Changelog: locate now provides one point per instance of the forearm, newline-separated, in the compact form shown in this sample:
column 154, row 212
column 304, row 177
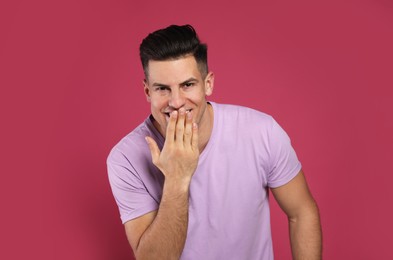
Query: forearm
column 306, row 235
column 165, row 237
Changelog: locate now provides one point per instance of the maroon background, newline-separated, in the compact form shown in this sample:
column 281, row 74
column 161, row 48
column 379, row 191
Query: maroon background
column 71, row 88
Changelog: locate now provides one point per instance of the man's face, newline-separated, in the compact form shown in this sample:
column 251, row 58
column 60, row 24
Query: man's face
column 175, row 84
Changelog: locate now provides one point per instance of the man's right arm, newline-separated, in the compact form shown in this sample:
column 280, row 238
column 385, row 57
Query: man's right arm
column 162, row 234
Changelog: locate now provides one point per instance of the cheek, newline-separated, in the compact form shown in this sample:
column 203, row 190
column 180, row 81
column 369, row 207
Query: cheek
column 157, row 103
column 197, row 96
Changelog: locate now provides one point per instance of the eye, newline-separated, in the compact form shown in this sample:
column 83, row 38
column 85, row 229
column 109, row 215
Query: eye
column 161, row 89
column 189, row 84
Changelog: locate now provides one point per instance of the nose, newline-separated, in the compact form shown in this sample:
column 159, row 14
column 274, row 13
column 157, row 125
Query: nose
column 177, row 99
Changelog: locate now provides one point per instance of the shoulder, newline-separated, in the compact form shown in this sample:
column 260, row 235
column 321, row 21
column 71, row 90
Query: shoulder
column 243, row 116
column 231, row 110
column 133, row 145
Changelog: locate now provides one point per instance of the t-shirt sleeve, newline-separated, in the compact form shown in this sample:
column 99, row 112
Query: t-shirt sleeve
column 128, row 189
column 284, row 164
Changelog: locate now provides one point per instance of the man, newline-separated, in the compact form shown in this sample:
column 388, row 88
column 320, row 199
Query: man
column 192, row 181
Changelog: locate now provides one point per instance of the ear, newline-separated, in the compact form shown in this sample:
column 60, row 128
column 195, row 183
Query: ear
column 209, row 83
column 146, row 90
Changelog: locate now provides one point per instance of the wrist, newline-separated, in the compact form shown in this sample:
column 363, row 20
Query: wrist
column 177, row 185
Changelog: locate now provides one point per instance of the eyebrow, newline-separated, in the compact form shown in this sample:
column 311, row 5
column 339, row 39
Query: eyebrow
column 160, row 85
column 155, row 84
column 188, row 81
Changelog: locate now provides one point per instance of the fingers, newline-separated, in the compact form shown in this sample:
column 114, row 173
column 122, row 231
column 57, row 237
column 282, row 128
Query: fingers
column 154, row 150
column 194, row 142
column 180, row 126
column 188, row 130
column 181, row 130
column 170, row 130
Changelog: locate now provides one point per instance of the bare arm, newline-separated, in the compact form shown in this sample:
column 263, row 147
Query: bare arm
column 161, row 234
column 304, row 224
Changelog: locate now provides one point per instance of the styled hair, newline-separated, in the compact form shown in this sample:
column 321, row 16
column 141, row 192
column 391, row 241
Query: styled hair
column 172, row 43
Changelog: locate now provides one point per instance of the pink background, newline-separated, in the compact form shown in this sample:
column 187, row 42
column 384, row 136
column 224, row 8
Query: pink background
column 71, row 87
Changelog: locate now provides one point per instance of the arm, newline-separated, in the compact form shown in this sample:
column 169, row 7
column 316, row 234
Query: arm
column 296, row 201
column 161, row 234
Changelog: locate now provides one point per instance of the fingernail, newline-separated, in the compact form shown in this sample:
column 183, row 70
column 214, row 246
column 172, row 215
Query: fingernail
column 147, row 139
column 174, row 113
column 182, row 111
column 188, row 115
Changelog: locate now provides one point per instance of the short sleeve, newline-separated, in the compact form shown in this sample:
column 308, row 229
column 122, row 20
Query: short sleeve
column 283, row 162
column 129, row 191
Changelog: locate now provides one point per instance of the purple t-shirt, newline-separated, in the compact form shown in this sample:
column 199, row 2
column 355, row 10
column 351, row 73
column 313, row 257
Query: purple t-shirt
column 229, row 216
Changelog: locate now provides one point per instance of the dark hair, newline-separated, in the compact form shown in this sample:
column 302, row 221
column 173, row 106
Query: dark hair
column 173, row 42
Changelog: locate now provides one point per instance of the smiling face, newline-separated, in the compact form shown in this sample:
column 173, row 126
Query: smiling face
column 175, row 84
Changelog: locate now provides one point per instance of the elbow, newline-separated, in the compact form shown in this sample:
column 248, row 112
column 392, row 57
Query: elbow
column 309, row 213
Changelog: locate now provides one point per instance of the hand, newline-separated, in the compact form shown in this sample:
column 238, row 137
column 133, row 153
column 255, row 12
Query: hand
column 179, row 157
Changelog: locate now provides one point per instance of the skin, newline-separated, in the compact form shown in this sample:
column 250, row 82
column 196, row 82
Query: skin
column 178, row 88
column 177, row 93
column 176, row 84
column 296, row 201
